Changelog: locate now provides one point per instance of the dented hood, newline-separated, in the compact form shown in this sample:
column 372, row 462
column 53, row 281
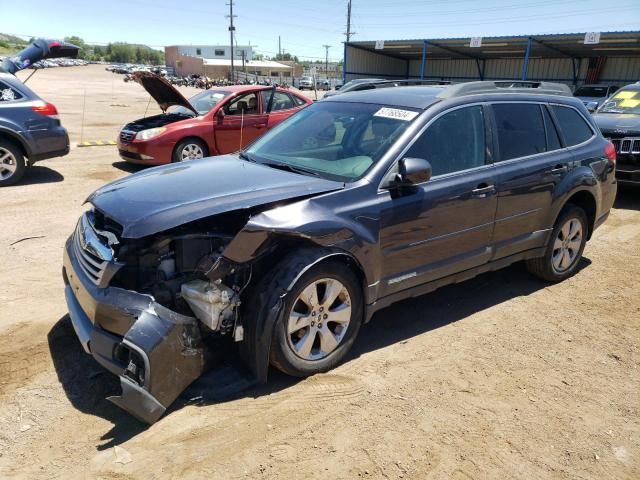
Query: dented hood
column 162, row 91
column 165, row 197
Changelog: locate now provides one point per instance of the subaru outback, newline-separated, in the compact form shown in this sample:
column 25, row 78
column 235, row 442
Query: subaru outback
column 354, row 203
column 30, row 128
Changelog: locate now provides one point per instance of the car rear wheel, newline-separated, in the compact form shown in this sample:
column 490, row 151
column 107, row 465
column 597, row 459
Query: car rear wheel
column 320, row 320
column 565, row 247
column 12, row 165
column 190, row 149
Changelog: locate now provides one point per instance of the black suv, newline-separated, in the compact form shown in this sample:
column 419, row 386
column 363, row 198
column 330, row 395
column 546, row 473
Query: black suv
column 350, row 205
column 619, row 121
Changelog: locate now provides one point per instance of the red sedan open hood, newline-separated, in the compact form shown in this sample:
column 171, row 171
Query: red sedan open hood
column 162, row 91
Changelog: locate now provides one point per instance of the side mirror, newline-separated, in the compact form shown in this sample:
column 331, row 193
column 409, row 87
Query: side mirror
column 220, row 116
column 592, row 106
column 412, row 171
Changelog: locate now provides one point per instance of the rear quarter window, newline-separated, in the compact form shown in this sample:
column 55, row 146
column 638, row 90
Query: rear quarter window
column 8, row 94
column 573, row 126
column 298, row 101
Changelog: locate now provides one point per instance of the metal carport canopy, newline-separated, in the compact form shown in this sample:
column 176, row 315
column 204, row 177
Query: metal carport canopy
column 569, row 45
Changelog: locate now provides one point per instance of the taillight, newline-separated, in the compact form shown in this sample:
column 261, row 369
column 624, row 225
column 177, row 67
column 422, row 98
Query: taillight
column 610, row 152
column 46, row 109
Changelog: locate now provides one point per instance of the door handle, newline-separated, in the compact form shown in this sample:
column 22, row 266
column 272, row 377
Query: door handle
column 558, row 170
column 261, row 125
column 483, row 190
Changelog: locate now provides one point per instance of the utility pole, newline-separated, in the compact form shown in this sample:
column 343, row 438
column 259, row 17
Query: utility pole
column 326, row 60
column 279, row 48
column 232, row 30
column 349, row 33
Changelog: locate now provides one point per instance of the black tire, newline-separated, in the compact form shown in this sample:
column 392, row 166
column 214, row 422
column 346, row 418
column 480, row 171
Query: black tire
column 282, row 354
column 177, row 152
column 11, row 150
column 543, row 267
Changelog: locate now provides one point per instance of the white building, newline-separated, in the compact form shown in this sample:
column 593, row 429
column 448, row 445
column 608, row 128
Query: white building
column 221, row 52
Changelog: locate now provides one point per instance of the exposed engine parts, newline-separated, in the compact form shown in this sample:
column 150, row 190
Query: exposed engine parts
column 187, row 274
column 213, row 304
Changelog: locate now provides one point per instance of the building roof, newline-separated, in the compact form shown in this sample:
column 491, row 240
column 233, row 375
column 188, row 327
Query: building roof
column 549, row 46
column 250, row 64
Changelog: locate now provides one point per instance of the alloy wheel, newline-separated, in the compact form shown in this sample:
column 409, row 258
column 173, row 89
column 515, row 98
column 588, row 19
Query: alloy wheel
column 191, row 151
column 319, row 319
column 566, row 246
column 8, row 164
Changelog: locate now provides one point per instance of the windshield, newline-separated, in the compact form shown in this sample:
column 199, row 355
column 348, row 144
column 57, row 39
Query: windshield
column 624, row 101
column 591, row 92
column 203, row 102
column 339, row 141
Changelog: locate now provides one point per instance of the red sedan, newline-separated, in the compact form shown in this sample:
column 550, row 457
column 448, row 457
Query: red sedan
column 213, row 122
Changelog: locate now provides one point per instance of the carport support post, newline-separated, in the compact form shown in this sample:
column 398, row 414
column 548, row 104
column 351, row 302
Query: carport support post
column 424, row 59
column 480, row 69
column 525, row 66
column 344, row 64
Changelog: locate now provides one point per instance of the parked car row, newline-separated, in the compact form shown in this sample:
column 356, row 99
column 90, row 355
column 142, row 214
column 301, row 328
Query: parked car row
column 60, row 62
column 132, row 68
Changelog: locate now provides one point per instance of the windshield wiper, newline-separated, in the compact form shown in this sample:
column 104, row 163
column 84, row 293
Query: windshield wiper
column 245, row 156
column 291, row 168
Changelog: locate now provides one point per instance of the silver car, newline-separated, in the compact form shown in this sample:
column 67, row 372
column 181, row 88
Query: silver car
column 594, row 95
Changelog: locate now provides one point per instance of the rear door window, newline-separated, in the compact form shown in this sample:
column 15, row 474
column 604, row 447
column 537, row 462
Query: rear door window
column 520, row 129
column 281, row 101
column 574, row 128
column 454, row 142
column 8, row 94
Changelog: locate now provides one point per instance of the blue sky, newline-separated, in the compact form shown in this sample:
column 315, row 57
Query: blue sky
column 306, row 25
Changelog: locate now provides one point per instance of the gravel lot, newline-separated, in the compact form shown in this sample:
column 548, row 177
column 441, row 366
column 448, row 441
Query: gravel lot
column 502, row 376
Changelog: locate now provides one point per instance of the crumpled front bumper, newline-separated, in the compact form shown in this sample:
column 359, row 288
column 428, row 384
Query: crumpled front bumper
column 157, row 354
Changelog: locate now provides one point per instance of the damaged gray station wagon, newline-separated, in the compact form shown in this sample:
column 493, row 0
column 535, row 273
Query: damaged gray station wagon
column 354, row 203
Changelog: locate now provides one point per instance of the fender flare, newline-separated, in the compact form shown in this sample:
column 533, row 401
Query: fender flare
column 18, row 139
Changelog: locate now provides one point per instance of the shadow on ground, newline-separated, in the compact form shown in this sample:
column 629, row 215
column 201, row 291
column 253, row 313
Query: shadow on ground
column 128, row 167
column 87, row 384
column 628, row 198
column 38, row 174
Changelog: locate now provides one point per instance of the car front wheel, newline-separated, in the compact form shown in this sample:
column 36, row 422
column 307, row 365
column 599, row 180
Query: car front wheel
column 320, row 320
column 190, row 149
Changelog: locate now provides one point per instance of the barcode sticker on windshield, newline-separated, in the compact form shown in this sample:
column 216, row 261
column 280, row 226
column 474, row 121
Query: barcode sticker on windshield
column 396, row 113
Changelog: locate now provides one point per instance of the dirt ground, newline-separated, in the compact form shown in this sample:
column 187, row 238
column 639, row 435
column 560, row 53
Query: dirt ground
column 502, row 376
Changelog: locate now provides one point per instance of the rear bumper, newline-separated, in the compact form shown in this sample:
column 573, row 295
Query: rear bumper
column 50, row 144
column 158, row 354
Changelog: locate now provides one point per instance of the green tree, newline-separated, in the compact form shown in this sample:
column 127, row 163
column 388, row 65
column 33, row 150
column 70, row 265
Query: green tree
column 78, row 42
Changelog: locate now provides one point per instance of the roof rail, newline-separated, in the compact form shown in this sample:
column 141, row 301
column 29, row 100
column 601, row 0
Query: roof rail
column 399, row 83
column 506, row 86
